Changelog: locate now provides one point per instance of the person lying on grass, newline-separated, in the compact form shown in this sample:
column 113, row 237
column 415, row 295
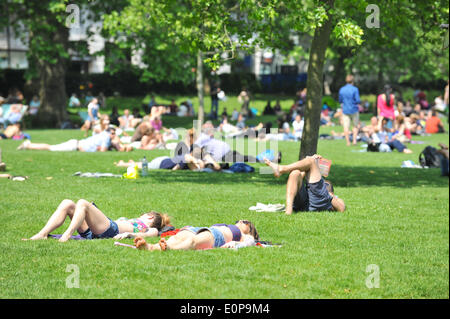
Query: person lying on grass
column 196, row 238
column 91, row 223
column 306, row 189
column 183, row 158
column 178, row 162
column 101, row 142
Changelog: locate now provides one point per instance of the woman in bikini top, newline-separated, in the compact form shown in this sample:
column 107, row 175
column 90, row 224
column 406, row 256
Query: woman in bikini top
column 91, row 222
column 190, row 238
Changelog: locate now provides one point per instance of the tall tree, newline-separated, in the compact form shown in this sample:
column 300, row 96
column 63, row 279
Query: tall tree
column 200, row 28
column 44, row 27
column 41, row 26
column 347, row 20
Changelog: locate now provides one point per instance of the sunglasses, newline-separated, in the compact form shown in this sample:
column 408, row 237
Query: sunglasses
column 246, row 222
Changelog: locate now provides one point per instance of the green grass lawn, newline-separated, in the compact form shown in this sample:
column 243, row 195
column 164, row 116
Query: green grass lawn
column 396, row 219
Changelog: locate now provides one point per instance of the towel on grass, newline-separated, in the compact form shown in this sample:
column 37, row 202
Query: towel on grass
column 410, row 164
column 77, row 237
column 96, row 175
column 271, row 208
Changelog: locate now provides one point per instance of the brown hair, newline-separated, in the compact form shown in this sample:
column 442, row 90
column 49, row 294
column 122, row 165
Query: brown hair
column 149, row 131
column 160, row 221
column 252, row 229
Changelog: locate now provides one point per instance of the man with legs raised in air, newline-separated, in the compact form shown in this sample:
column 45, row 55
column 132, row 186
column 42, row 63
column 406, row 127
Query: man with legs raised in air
column 306, row 189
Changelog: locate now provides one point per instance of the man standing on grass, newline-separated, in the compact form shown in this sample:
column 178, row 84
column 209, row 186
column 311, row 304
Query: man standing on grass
column 306, row 189
column 349, row 99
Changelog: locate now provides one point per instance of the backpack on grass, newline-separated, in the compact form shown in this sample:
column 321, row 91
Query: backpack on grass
column 430, row 157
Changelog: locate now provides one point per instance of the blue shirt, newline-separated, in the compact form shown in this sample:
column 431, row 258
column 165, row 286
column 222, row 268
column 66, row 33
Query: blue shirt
column 349, row 97
column 91, row 143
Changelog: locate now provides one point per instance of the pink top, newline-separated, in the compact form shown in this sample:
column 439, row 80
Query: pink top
column 385, row 110
column 157, row 125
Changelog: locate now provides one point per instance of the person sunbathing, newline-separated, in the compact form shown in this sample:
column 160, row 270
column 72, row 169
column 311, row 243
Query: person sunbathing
column 11, row 131
column 183, row 160
column 92, row 223
column 306, row 189
column 97, row 143
column 195, row 238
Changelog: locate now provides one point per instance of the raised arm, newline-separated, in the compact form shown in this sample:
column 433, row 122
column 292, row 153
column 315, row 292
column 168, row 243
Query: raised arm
column 151, row 232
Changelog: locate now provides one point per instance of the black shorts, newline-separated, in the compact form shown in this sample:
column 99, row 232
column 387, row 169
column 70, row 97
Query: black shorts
column 313, row 197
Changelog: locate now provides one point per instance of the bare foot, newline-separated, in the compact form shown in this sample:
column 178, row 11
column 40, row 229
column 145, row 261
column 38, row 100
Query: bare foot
column 65, row 237
column 407, row 151
column 36, row 237
column 163, row 244
column 274, row 167
column 24, row 145
column 141, row 244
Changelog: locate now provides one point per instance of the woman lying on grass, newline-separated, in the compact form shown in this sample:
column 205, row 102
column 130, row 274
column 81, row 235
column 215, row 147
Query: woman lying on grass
column 193, row 238
column 91, row 223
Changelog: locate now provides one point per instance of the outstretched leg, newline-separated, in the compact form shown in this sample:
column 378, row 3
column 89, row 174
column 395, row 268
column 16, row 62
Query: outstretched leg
column 307, row 165
column 27, row 145
column 88, row 213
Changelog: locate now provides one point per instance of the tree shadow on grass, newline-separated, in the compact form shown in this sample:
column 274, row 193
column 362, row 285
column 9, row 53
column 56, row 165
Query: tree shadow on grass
column 348, row 176
column 342, row 176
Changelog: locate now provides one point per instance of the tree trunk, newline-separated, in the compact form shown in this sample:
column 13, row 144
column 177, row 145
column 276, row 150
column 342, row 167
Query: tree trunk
column 339, row 72
column 200, row 92
column 52, row 77
column 314, row 85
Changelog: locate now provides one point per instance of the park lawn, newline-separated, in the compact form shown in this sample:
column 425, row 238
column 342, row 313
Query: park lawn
column 396, row 219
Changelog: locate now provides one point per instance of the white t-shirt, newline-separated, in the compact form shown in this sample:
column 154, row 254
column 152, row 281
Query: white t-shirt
column 298, row 126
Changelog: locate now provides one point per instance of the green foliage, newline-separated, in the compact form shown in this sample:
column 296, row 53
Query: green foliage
column 329, row 101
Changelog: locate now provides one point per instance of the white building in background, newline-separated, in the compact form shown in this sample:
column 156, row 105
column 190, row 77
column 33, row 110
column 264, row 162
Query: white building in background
column 13, row 53
column 13, row 50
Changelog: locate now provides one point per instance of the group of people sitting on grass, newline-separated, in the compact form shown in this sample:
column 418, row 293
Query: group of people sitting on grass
column 307, row 190
column 393, row 127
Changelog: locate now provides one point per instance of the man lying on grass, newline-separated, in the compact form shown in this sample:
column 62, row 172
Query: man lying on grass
column 196, row 238
column 91, row 223
column 306, row 189
column 100, row 142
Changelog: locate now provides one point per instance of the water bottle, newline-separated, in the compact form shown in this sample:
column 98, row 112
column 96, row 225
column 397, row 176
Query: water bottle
column 144, row 171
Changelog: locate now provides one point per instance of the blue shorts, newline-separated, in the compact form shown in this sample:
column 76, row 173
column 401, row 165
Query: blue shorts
column 112, row 231
column 313, row 197
column 219, row 239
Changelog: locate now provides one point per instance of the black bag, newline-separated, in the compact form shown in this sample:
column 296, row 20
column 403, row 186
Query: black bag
column 430, row 157
column 373, row 147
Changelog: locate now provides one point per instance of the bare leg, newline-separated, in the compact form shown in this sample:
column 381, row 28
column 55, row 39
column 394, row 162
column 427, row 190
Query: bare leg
column 346, row 134
column 130, row 163
column 303, row 165
column 208, row 159
column 86, row 212
column 307, row 165
column 294, row 183
column 355, row 135
column 34, row 146
column 86, row 126
column 65, row 208
column 182, row 240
